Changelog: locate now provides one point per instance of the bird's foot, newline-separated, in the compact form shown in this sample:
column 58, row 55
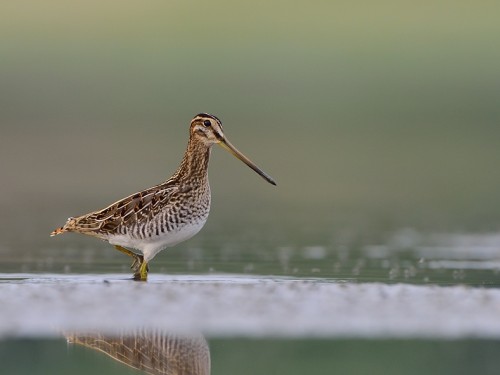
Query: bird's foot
column 139, row 267
column 141, row 272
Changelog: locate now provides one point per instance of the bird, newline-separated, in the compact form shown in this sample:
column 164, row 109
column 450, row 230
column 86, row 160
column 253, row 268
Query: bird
column 166, row 214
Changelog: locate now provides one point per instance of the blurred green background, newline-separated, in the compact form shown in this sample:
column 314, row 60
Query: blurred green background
column 371, row 116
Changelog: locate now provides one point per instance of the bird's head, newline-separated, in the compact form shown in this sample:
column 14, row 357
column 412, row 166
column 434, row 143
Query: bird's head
column 207, row 129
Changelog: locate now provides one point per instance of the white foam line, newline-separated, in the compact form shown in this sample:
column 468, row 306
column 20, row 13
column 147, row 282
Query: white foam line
column 464, row 264
column 221, row 305
column 459, row 252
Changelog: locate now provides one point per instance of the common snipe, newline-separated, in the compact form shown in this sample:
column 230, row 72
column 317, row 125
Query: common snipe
column 166, row 214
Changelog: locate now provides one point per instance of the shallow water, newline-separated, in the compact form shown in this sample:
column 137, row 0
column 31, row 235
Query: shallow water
column 258, row 356
column 405, row 256
column 253, row 324
column 414, row 303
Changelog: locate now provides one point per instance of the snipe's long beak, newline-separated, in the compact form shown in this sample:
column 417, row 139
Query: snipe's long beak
column 233, row 150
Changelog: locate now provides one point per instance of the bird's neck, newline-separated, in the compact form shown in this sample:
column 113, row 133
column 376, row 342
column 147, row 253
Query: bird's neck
column 194, row 165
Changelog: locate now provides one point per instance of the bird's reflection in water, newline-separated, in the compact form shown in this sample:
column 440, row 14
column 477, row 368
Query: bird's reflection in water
column 153, row 352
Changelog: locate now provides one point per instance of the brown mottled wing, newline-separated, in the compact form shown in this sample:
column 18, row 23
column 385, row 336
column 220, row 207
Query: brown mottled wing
column 135, row 208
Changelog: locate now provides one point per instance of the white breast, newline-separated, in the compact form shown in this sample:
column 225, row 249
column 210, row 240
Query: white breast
column 153, row 245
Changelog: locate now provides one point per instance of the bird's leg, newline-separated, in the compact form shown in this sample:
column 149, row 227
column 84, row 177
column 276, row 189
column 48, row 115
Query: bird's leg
column 138, row 259
column 142, row 273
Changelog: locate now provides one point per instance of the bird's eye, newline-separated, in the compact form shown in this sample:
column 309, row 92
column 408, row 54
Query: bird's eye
column 207, row 123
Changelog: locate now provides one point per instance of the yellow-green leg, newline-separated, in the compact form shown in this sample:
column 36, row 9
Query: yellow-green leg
column 139, row 267
column 142, row 273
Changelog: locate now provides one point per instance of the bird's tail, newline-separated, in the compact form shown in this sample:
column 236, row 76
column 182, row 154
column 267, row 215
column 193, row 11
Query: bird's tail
column 68, row 227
